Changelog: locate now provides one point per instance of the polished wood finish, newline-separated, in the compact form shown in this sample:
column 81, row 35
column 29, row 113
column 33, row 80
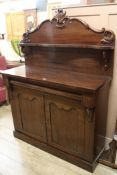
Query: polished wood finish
column 29, row 107
column 74, row 121
column 103, row 47
column 74, row 30
column 59, row 98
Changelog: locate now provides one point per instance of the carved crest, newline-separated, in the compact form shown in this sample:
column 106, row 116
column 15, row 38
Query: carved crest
column 60, row 18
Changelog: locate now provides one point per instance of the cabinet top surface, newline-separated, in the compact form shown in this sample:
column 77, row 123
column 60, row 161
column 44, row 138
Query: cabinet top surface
column 46, row 77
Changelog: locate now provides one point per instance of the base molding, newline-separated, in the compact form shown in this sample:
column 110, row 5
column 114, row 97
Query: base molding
column 56, row 152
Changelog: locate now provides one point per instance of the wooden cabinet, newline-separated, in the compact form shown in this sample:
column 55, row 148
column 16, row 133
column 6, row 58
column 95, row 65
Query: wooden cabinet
column 59, row 98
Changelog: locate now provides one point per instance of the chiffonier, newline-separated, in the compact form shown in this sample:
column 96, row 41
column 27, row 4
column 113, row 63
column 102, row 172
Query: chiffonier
column 59, row 98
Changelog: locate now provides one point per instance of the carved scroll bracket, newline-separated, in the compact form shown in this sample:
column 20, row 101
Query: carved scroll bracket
column 26, row 50
column 26, row 38
column 109, row 37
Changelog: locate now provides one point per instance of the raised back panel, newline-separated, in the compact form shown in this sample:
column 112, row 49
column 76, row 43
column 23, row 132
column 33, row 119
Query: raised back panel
column 73, row 31
column 69, row 45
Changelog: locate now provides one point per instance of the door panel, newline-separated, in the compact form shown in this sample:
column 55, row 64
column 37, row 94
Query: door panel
column 29, row 112
column 69, row 128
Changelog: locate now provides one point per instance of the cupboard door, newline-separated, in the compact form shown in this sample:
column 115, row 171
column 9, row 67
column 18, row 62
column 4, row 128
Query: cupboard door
column 28, row 112
column 69, row 128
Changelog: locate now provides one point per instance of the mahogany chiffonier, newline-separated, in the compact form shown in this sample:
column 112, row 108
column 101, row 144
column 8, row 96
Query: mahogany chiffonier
column 59, row 98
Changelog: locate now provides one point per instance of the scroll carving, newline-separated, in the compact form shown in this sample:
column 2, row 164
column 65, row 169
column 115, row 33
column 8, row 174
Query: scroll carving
column 62, row 107
column 60, row 18
column 26, row 38
column 27, row 97
column 108, row 38
column 26, row 50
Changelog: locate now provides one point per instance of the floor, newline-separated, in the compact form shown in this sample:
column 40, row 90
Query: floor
column 20, row 158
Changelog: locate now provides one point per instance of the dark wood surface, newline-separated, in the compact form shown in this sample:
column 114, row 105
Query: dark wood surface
column 93, row 46
column 70, row 80
column 63, row 30
column 59, row 98
column 33, row 106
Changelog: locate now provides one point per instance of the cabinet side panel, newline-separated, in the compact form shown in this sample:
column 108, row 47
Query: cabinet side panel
column 101, row 116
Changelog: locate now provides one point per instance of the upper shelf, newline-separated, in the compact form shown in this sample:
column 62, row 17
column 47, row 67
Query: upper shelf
column 82, row 46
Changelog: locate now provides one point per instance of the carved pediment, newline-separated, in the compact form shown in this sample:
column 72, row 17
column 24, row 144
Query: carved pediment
column 63, row 30
column 60, row 18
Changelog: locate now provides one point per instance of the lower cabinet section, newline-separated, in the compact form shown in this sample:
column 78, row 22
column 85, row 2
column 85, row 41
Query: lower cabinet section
column 60, row 124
